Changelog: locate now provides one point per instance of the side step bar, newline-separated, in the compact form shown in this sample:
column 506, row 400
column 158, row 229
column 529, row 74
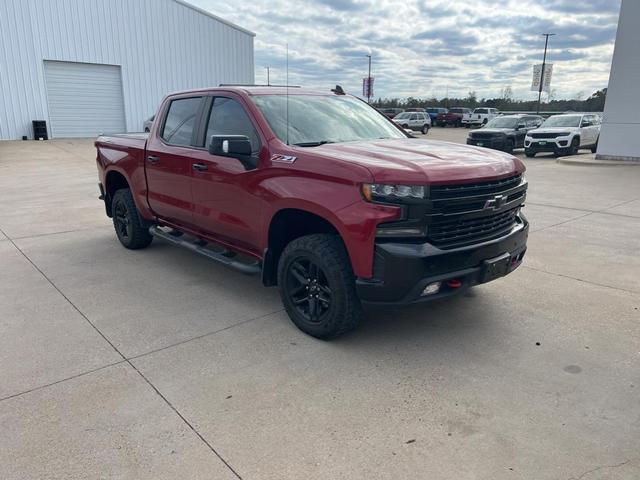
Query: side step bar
column 226, row 257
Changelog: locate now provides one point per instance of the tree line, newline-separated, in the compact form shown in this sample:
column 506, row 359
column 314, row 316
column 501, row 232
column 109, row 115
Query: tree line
column 594, row 103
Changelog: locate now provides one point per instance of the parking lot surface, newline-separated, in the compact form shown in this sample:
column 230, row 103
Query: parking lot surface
column 159, row 364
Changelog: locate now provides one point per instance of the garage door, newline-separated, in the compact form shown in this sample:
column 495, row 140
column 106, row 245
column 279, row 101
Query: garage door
column 85, row 99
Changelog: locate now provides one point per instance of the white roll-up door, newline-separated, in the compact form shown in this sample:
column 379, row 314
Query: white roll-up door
column 85, row 99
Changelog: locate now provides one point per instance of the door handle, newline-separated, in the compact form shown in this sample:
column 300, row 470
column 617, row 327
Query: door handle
column 201, row 167
column 153, row 159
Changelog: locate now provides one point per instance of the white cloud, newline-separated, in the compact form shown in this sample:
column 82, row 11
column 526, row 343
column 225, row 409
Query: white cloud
column 422, row 48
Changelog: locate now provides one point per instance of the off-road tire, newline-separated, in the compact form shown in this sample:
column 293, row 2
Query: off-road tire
column 126, row 221
column 594, row 147
column 327, row 252
column 529, row 153
column 425, row 129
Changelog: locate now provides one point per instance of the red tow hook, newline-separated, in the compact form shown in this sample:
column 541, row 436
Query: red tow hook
column 454, row 283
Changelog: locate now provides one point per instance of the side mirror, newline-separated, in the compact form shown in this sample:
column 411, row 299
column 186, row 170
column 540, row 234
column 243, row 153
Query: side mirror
column 521, row 126
column 232, row 146
column 586, row 124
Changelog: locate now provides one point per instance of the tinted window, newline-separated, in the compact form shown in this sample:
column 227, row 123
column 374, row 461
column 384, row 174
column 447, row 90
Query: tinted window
column 227, row 117
column 456, row 110
column 414, row 117
column 481, row 110
column 563, row 121
column 181, row 118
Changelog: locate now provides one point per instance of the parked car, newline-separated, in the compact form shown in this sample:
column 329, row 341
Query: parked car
column 418, row 121
column 416, row 109
column 452, row 117
column 564, row 135
column 146, row 126
column 390, row 112
column 480, row 116
column 505, row 132
column 338, row 208
column 433, row 113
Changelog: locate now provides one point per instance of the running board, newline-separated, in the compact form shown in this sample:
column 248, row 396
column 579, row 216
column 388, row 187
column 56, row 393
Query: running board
column 225, row 257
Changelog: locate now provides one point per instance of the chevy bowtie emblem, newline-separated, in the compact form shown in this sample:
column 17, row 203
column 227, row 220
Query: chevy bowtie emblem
column 496, row 203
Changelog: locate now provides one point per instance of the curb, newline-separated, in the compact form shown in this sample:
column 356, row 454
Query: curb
column 596, row 163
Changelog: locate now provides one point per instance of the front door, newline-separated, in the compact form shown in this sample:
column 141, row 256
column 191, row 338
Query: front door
column 168, row 161
column 224, row 203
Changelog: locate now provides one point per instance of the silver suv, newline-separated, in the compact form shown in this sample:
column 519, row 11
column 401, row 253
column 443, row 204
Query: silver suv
column 419, row 121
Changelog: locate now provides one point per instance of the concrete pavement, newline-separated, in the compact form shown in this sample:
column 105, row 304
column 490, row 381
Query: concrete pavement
column 160, row 364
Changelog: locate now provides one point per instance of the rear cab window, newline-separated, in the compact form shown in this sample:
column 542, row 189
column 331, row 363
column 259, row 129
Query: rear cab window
column 180, row 121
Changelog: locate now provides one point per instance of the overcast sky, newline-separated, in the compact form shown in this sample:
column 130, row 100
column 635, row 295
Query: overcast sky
column 420, row 48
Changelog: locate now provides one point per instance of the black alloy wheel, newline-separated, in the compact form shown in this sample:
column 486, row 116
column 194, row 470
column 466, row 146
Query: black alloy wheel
column 132, row 232
column 122, row 219
column 308, row 289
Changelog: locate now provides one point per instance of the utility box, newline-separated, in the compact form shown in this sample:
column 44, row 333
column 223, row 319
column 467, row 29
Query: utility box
column 40, row 130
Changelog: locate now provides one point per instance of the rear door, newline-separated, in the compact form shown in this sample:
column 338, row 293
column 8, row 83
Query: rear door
column 168, row 159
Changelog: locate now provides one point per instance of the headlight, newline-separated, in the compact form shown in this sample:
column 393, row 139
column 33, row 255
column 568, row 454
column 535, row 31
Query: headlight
column 376, row 191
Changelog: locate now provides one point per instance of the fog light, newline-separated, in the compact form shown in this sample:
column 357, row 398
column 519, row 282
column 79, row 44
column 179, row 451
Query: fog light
column 431, row 289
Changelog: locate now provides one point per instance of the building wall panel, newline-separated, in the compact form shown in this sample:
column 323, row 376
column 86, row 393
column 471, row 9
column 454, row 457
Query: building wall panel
column 160, row 45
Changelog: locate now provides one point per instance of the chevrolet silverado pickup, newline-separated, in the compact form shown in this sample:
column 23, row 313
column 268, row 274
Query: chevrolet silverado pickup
column 320, row 194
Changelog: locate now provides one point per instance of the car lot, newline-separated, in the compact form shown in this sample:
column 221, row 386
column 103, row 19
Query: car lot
column 159, row 364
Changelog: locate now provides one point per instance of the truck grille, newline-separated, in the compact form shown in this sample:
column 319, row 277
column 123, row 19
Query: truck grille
column 472, row 231
column 460, row 215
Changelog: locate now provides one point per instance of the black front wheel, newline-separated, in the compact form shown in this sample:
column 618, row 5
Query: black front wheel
column 575, row 146
column 425, row 129
column 317, row 286
column 529, row 153
column 509, row 146
column 126, row 221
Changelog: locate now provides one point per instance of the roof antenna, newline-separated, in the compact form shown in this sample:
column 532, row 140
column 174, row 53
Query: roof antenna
column 287, row 94
column 338, row 90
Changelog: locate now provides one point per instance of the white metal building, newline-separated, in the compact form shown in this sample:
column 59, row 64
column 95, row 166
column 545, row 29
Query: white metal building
column 620, row 134
column 97, row 66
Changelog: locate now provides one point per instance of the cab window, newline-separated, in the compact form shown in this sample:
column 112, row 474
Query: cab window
column 180, row 121
column 227, row 117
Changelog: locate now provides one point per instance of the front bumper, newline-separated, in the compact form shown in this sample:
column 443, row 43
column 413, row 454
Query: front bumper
column 553, row 145
column 403, row 270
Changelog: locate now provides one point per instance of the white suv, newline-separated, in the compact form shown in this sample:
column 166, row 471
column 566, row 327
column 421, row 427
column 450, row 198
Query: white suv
column 564, row 135
column 414, row 121
column 480, row 116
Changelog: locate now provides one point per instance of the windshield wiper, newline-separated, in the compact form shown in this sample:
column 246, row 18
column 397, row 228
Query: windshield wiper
column 313, row 144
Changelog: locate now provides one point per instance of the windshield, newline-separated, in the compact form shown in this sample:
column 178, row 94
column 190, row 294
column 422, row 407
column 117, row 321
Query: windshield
column 318, row 119
column 563, row 121
column 504, row 122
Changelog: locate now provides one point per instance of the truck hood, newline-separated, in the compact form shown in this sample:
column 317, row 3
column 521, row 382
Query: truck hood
column 417, row 161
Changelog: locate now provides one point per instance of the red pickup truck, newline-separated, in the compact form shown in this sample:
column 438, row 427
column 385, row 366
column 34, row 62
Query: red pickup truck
column 452, row 117
column 320, row 194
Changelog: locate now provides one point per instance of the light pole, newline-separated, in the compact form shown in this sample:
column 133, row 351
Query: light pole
column 267, row 75
column 369, row 81
column 544, row 63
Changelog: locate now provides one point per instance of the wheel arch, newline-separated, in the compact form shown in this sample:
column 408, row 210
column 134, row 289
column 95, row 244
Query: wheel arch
column 285, row 225
column 114, row 180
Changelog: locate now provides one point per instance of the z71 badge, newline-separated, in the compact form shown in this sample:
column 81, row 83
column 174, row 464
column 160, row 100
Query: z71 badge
column 283, row 158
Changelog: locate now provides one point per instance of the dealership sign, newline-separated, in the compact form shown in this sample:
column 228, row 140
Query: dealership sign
column 367, row 87
column 537, row 71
